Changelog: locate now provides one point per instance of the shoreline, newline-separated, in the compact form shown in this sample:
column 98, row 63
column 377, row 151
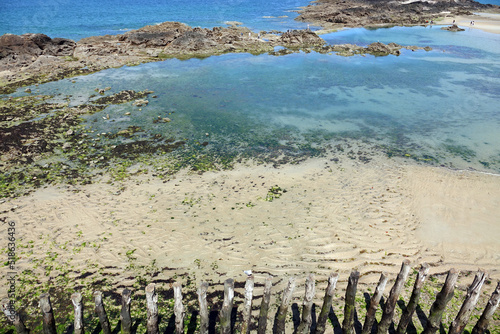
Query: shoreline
column 487, row 22
column 392, row 206
column 329, row 217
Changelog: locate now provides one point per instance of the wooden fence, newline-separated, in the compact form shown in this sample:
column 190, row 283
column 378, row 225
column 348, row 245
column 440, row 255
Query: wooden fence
column 226, row 326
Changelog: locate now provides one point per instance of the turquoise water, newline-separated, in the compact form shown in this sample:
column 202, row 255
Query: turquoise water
column 440, row 105
column 78, row 19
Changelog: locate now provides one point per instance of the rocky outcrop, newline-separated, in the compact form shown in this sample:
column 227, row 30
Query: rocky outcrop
column 25, row 49
column 32, row 58
column 301, row 38
column 453, row 27
column 376, row 49
column 332, row 14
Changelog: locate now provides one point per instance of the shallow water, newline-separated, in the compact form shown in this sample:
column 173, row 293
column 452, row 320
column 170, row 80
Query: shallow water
column 440, row 106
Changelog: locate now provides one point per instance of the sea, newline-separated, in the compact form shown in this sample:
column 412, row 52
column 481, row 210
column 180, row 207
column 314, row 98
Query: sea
column 439, row 107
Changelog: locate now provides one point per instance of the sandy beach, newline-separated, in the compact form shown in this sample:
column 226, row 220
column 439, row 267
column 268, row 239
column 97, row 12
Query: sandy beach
column 488, row 22
column 331, row 217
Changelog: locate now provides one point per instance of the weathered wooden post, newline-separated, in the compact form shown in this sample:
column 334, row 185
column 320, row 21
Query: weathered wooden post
column 327, row 304
column 305, row 324
column 202, row 299
column 483, row 322
column 76, row 299
column 458, row 325
column 152, row 309
column 49, row 323
column 247, row 307
column 101, row 313
column 286, row 299
column 374, row 302
column 178, row 308
column 264, row 305
column 415, row 296
column 390, row 305
column 227, row 307
column 442, row 298
column 350, row 303
column 125, row 318
column 13, row 316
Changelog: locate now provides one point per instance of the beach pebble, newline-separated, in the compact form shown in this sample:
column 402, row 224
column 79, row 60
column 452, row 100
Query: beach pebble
column 140, row 103
column 127, row 113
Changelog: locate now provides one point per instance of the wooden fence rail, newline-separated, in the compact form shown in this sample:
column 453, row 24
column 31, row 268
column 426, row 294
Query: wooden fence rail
column 305, row 326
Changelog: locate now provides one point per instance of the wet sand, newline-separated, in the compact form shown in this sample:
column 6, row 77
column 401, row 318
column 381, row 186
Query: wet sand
column 331, row 216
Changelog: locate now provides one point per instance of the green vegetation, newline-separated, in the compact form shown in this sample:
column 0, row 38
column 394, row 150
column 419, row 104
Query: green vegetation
column 274, row 192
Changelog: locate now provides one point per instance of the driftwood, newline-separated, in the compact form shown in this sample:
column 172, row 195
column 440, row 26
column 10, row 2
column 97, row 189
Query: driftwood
column 77, row 301
column 49, row 324
column 286, row 298
column 178, row 308
column 264, row 305
column 247, row 307
column 305, row 324
column 350, row 306
column 101, row 313
column 483, row 322
column 390, row 305
column 152, row 310
column 327, row 304
column 415, row 296
column 13, row 316
column 227, row 307
column 442, row 298
column 125, row 318
column 458, row 325
column 202, row 300
column 374, row 301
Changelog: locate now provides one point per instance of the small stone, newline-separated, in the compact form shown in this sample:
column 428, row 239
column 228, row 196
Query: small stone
column 73, row 81
column 127, row 113
column 27, row 90
column 66, row 146
column 69, row 132
column 166, row 119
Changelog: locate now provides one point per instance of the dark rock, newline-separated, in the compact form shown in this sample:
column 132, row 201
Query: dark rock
column 23, row 50
column 59, row 47
column 193, row 41
column 453, row 28
column 378, row 48
column 301, row 38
